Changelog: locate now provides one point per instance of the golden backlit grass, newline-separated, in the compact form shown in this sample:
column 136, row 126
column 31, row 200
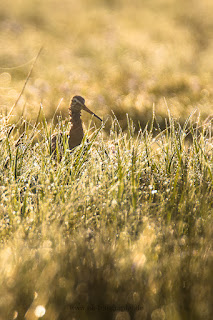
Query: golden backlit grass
column 122, row 227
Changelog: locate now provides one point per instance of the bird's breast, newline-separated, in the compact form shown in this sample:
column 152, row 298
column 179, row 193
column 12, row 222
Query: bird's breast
column 76, row 135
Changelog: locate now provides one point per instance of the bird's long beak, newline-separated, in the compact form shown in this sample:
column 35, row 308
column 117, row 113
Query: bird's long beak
column 89, row 111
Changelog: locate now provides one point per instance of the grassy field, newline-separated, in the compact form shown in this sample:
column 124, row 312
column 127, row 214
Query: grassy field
column 121, row 227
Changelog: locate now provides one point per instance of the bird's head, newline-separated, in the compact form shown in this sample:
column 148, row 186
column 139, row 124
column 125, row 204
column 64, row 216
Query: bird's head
column 78, row 104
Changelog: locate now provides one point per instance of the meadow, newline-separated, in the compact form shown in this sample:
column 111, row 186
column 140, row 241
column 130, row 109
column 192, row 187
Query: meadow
column 121, row 227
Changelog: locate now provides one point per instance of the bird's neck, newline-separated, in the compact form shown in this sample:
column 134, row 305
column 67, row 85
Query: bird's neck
column 76, row 131
column 75, row 118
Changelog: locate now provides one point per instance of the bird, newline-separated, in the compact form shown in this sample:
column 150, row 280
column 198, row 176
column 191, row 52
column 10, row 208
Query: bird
column 76, row 132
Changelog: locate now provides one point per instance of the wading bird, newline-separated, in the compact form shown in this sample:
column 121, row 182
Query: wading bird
column 76, row 133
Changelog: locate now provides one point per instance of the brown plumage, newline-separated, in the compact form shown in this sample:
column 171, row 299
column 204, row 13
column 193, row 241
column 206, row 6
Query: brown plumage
column 76, row 133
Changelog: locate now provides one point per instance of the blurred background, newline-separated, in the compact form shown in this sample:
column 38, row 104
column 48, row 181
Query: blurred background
column 124, row 56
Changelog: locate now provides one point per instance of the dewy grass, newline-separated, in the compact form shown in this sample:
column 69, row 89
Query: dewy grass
column 120, row 227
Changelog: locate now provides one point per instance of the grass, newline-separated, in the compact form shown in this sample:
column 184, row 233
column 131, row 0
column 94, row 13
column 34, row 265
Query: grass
column 121, row 227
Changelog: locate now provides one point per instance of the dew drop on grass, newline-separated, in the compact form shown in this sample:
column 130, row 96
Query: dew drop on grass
column 40, row 311
column 15, row 315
